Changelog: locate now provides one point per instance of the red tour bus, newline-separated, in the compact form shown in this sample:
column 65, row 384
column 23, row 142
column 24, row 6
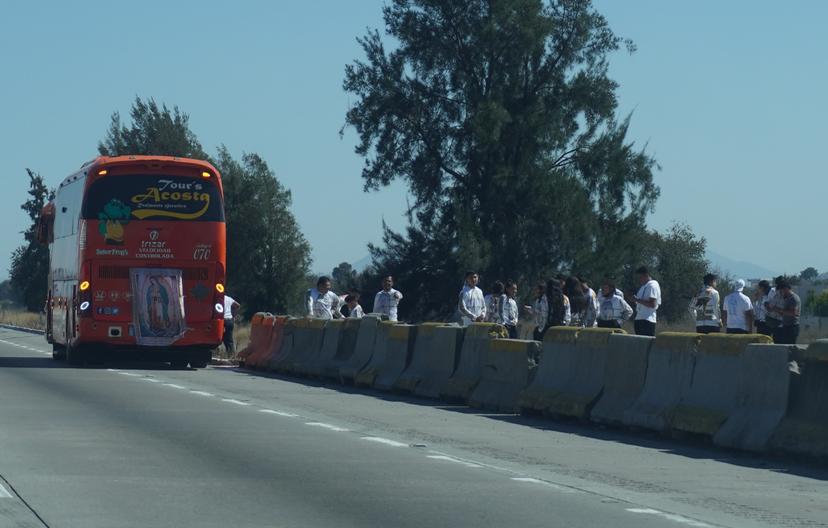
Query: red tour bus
column 136, row 260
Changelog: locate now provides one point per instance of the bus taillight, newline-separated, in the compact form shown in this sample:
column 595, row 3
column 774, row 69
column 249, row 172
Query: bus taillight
column 218, row 294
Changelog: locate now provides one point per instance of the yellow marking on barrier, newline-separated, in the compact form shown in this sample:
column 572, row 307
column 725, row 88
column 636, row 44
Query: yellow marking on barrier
column 596, row 336
column 816, row 351
column 696, row 420
column 677, row 341
column 729, row 344
column 514, row 346
column 427, row 329
column 477, row 330
column 400, row 332
column 561, row 334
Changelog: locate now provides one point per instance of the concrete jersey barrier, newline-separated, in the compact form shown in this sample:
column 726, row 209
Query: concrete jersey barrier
column 584, row 383
column 260, row 359
column 285, row 350
column 307, row 344
column 505, row 374
column 624, row 375
column 265, row 328
column 422, row 356
column 397, row 354
column 669, row 371
column 331, row 338
column 557, row 360
column 345, row 349
column 363, row 349
column 472, row 356
column 367, row 375
column 804, row 429
column 762, row 384
column 257, row 341
column 710, row 395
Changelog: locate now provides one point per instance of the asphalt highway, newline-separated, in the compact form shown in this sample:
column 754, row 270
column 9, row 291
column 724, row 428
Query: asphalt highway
column 132, row 445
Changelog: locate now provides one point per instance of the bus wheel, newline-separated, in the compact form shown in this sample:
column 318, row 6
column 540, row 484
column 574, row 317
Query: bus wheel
column 58, row 352
column 201, row 358
column 75, row 355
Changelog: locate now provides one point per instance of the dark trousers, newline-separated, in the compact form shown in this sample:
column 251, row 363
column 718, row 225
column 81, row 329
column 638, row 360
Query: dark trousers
column 645, row 328
column 608, row 323
column 229, row 345
column 736, row 331
column 786, row 335
column 707, row 330
column 513, row 332
column 538, row 334
column 763, row 328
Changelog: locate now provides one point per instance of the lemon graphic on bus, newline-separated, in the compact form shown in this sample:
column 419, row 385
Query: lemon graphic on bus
column 112, row 219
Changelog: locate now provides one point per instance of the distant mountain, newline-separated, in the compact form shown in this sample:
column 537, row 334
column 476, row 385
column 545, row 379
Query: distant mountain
column 361, row 264
column 738, row 268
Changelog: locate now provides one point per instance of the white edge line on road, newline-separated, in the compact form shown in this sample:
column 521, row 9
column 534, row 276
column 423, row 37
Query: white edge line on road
column 4, row 493
column 202, row 393
column 152, row 380
column 174, row 386
column 327, row 426
column 455, row 460
column 544, row 483
column 278, row 413
column 384, row 441
column 671, row 517
column 234, row 402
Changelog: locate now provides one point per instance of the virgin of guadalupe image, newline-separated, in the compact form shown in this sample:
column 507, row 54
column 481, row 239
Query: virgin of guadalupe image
column 157, row 305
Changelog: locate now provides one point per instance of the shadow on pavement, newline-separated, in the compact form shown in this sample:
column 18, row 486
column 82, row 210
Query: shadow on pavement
column 695, row 447
column 45, row 362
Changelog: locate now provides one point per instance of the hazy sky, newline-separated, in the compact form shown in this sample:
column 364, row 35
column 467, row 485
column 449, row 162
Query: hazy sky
column 730, row 96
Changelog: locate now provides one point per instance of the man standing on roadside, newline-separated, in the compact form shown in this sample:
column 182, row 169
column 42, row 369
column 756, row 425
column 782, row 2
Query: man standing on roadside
column 647, row 300
column 788, row 332
column 231, row 307
column 705, row 307
column 321, row 302
column 472, row 306
column 737, row 313
column 387, row 299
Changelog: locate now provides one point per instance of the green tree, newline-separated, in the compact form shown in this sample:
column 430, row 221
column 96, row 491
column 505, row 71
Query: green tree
column 29, row 272
column 676, row 260
column 501, row 119
column 809, row 273
column 268, row 258
column 345, row 277
column 154, row 130
column 818, row 304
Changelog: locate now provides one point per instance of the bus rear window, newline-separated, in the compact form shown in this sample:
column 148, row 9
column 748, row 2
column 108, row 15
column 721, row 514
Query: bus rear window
column 144, row 196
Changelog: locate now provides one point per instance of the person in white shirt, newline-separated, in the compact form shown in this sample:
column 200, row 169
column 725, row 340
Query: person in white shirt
column 388, row 299
column 760, row 312
column 471, row 305
column 231, row 306
column 509, row 309
column 539, row 311
column 613, row 310
column 647, row 300
column 354, row 309
column 494, row 313
column 737, row 313
column 705, row 307
column 591, row 317
column 321, row 302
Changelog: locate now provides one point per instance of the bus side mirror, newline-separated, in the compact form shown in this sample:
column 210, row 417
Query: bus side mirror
column 43, row 227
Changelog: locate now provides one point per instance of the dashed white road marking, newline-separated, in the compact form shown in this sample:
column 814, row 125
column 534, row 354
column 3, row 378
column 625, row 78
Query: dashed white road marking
column 531, row 480
column 278, row 413
column 234, row 402
column 4, row 493
column 454, row 460
column 384, row 441
column 152, row 380
column 327, row 426
column 202, row 393
column 131, row 374
column 671, row 517
column 174, row 386
column 113, row 370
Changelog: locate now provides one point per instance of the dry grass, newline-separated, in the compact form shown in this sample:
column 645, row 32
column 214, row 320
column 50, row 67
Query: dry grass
column 23, row 318
column 241, row 335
